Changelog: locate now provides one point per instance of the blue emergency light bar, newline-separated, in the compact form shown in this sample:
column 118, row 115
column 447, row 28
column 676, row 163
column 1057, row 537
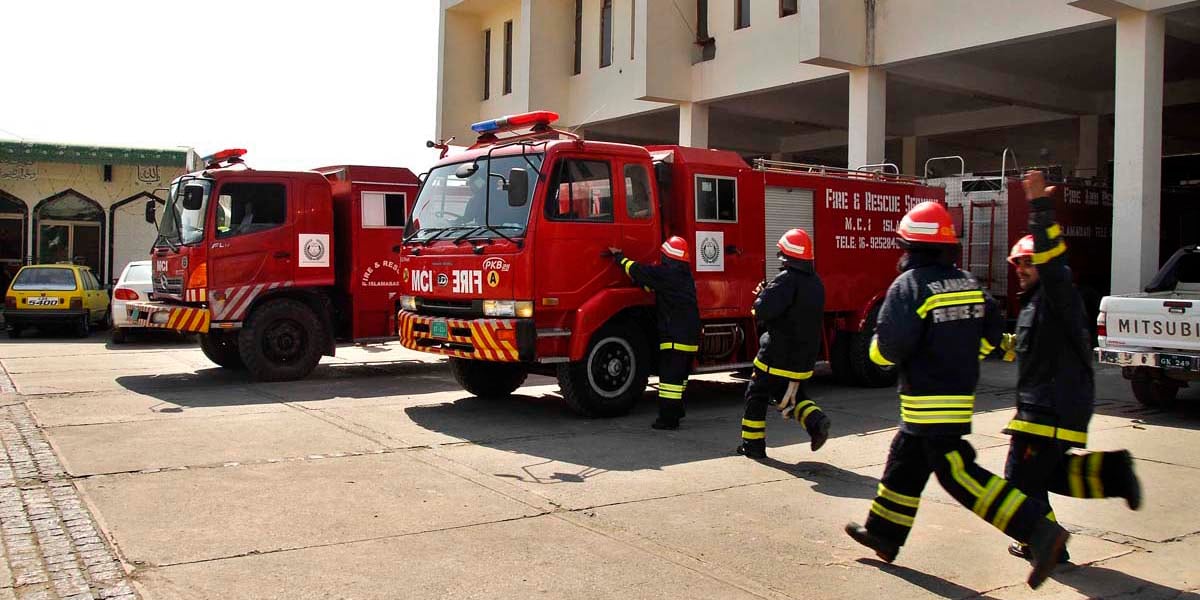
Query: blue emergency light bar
column 529, row 119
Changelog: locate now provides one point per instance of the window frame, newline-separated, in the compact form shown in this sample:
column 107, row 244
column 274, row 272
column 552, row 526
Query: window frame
column 362, row 209
column 578, row 66
column 741, row 13
column 784, row 12
column 487, row 64
column 606, row 6
column 508, row 42
column 232, row 233
column 649, row 192
column 554, row 183
column 696, row 198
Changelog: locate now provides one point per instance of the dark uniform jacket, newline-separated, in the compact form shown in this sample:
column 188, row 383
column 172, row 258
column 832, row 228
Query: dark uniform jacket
column 790, row 310
column 1055, row 385
column 935, row 325
column 675, row 298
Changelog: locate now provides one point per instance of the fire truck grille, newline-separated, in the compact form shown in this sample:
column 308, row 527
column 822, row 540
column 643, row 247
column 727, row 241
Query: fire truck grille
column 168, row 285
column 452, row 308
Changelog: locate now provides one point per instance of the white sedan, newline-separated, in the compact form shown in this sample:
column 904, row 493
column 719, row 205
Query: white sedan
column 134, row 284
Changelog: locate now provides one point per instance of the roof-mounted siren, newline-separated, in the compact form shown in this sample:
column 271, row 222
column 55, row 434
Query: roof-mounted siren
column 537, row 121
column 226, row 157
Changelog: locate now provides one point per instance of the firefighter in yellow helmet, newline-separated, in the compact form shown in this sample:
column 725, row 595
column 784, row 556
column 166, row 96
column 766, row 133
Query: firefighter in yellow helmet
column 935, row 325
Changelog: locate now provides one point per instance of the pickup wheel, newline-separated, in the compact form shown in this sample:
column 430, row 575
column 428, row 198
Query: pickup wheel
column 612, row 375
column 220, row 347
column 282, row 340
column 1151, row 392
column 863, row 372
column 488, row 379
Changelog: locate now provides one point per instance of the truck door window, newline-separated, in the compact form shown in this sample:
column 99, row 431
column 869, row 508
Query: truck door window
column 637, row 192
column 250, row 207
column 380, row 209
column 716, row 199
column 581, row 191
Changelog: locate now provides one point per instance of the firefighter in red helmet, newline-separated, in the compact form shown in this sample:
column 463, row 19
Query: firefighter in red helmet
column 935, row 325
column 1055, row 383
column 789, row 311
column 678, row 322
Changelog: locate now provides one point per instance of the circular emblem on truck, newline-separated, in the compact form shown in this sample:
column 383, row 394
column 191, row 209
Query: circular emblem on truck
column 710, row 250
column 314, row 250
column 443, row 280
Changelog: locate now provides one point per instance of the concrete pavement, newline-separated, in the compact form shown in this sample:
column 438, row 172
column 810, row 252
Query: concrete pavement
column 378, row 478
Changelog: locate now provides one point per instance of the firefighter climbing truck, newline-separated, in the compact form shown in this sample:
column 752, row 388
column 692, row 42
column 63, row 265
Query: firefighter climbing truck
column 273, row 268
column 504, row 266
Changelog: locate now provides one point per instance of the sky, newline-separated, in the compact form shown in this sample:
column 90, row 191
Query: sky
column 299, row 84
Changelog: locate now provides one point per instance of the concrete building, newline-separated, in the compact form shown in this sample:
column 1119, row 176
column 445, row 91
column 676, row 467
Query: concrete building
column 1098, row 88
column 81, row 203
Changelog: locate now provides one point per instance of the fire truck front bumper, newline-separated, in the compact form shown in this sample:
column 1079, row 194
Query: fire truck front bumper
column 497, row 340
column 161, row 315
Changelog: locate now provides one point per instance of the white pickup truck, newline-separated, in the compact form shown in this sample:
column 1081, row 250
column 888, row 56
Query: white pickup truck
column 1155, row 336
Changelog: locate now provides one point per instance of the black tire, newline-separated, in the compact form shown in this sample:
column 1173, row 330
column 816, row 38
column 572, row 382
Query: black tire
column 83, row 327
column 105, row 321
column 839, row 358
column 14, row 332
column 222, row 348
column 1156, row 393
column 863, row 372
column 612, row 375
column 488, row 379
column 118, row 335
column 282, row 340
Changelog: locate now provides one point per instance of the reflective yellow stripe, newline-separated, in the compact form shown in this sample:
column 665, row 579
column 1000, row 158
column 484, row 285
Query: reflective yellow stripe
column 1050, row 515
column 949, row 299
column 1067, row 435
column 935, row 418
column 678, row 346
column 1095, row 485
column 804, row 416
column 1053, row 231
column 782, row 372
column 891, row 515
column 753, row 435
column 1075, row 476
column 1045, row 257
column 671, row 387
column 628, row 264
column 959, row 472
column 670, row 395
column 756, row 424
column 877, row 356
column 901, row 499
column 937, row 401
column 985, row 348
column 1012, row 502
column 995, row 484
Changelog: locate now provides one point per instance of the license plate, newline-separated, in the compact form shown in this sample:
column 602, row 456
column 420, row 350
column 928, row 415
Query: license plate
column 1175, row 361
column 1107, row 356
column 42, row 301
column 438, row 329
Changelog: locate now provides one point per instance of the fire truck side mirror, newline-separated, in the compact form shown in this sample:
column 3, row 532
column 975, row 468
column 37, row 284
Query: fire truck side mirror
column 151, row 207
column 193, row 197
column 518, row 187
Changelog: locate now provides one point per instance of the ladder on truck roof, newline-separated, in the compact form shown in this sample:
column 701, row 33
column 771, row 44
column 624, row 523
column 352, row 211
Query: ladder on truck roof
column 864, row 173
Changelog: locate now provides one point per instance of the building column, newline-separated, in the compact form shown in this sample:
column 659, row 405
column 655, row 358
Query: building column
column 1137, row 150
column 868, row 115
column 1088, row 162
column 693, row 124
column 908, row 158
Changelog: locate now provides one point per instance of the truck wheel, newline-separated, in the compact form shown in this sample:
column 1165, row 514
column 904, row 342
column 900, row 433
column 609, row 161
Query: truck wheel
column 488, row 379
column 862, row 371
column 282, row 340
column 220, row 347
column 1151, row 392
column 612, row 375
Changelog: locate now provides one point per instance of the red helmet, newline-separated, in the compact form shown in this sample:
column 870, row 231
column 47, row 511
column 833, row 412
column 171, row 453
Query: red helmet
column 1023, row 247
column 928, row 223
column 796, row 244
column 676, row 248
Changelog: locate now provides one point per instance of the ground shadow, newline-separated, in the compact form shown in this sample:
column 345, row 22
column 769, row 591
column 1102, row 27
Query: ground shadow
column 828, row 479
column 1101, row 582
column 930, row 583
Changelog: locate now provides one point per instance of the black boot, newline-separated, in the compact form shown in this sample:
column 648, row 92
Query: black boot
column 1125, row 479
column 1020, row 550
column 820, row 435
column 1046, row 545
column 883, row 548
column 756, row 449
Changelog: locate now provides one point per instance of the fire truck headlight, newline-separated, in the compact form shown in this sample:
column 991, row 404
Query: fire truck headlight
column 524, row 309
column 508, row 308
column 408, row 303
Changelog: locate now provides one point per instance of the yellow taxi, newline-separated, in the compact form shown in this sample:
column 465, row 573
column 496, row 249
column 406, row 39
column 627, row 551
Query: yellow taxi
column 62, row 294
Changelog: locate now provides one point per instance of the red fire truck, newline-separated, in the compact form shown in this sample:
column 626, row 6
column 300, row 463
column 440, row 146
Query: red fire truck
column 272, row 268
column 505, row 265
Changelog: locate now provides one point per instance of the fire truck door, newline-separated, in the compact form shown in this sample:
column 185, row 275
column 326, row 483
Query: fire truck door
column 253, row 243
column 640, row 232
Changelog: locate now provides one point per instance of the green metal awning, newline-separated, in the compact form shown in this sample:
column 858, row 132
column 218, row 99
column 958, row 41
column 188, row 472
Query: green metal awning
column 11, row 151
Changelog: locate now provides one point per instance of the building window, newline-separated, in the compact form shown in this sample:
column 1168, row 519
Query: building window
column 581, row 191
column 508, row 57
column 250, row 207
column 632, row 28
column 487, row 64
column 578, row 37
column 741, row 11
column 716, row 199
column 606, row 31
column 637, row 192
column 787, row 7
column 381, row 209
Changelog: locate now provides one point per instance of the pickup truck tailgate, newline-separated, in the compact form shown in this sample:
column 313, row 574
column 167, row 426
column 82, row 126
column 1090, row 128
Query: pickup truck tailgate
column 1160, row 320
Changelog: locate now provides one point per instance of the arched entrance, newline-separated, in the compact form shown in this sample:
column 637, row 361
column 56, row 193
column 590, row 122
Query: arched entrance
column 68, row 226
column 14, row 215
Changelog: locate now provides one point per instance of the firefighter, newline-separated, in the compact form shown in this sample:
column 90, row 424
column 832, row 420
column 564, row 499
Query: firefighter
column 935, row 325
column 790, row 310
column 678, row 322
column 1055, row 384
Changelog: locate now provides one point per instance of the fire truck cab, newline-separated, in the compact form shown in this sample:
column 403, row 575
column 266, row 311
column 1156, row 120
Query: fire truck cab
column 506, row 267
column 272, row 268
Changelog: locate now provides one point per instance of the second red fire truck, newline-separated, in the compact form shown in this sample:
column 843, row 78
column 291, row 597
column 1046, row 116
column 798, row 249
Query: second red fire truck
column 505, row 271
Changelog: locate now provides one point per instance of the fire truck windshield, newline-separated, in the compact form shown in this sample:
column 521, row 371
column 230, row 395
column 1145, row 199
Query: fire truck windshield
column 181, row 225
column 476, row 205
